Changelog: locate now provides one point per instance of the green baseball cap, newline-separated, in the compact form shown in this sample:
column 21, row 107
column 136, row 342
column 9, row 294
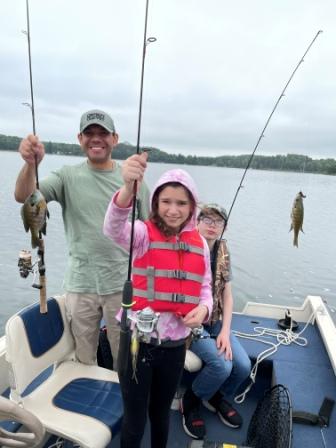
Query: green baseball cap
column 206, row 208
column 99, row 117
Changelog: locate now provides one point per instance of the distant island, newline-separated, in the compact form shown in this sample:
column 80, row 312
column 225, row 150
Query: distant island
column 289, row 162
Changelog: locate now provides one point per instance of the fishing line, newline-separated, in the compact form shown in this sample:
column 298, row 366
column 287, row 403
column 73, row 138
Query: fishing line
column 266, row 124
column 127, row 295
column 31, row 104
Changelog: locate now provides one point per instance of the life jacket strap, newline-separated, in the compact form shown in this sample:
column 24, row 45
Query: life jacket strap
column 150, row 273
column 181, row 245
column 167, row 296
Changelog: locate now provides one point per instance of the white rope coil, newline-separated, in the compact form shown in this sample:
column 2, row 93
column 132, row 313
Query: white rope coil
column 283, row 337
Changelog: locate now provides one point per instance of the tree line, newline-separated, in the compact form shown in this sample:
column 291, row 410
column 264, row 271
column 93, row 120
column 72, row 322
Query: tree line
column 289, row 162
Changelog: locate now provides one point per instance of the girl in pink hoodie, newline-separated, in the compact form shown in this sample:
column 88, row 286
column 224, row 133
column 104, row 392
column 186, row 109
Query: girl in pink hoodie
column 171, row 275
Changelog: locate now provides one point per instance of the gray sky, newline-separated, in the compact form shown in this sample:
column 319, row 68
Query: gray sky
column 211, row 79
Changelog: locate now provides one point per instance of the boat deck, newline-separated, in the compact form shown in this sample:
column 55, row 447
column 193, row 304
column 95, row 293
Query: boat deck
column 306, row 372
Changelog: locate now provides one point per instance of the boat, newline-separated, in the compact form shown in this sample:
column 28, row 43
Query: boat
column 48, row 399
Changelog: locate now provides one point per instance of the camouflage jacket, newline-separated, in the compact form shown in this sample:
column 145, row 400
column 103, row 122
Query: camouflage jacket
column 221, row 273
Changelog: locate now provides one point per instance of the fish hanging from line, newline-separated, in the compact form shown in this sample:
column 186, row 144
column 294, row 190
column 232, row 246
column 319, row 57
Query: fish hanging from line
column 34, row 213
column 297, row 217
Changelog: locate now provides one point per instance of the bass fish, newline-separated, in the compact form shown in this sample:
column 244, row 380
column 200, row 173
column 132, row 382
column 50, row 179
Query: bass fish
column 297, row 217
column 34, row 213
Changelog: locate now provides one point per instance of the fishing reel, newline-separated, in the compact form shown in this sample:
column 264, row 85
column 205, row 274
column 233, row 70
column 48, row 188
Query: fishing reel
column 27, row 266
column 197, row 332
column 146, row 323
column 25, row 263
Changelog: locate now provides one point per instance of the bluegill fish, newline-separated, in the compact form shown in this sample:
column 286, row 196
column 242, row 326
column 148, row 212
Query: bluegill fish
column 297, row 217
column 34, row 214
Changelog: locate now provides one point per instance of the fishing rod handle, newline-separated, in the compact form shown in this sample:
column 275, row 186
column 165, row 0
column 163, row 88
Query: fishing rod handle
column 43, row 295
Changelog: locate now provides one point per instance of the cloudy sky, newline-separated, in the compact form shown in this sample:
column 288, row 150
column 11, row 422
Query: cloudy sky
column 211, row 78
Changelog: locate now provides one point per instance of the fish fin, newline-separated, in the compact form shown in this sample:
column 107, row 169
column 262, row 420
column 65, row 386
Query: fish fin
column 25, row 224
column 44, row 228
column 37, row 210
column 291, row 228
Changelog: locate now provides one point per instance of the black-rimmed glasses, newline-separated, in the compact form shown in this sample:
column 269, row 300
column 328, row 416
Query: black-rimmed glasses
column 209, row 221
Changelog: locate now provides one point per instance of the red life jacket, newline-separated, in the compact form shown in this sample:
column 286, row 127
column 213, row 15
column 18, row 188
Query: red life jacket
column 169, row 276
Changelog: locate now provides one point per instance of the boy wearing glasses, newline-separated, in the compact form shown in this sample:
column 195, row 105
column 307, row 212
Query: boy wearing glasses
column 225, row 363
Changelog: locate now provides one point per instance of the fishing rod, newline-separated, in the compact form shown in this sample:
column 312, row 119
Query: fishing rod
column 40, row 252
column 31, row 104
column 262, row 134
column 127, row 295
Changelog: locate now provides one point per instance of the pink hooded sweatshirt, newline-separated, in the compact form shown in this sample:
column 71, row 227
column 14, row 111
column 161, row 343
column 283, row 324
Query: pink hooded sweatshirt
column 117, row 228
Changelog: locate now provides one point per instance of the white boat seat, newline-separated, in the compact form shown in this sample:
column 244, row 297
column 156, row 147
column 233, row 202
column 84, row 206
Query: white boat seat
column 192, row 362
column 79, row 402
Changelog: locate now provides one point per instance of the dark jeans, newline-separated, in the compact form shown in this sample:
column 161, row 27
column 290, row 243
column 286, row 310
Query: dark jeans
column 158, row 373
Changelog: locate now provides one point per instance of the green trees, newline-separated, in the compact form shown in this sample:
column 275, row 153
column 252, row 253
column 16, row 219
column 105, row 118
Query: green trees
column 289, row 162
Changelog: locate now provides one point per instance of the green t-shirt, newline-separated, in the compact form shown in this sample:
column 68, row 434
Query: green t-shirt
column 95, row 263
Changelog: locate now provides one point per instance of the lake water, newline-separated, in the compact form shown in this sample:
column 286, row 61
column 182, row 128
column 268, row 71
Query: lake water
column 266, row 265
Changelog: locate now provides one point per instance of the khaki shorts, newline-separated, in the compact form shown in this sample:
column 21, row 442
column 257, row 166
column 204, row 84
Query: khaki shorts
column 85, row 312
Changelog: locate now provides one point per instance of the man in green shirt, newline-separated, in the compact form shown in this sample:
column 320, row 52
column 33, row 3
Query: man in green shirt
column 97, row 268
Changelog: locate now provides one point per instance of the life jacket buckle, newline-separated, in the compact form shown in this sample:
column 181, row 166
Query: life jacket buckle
column 179, row 298
column 184, row 246
column 180, row 275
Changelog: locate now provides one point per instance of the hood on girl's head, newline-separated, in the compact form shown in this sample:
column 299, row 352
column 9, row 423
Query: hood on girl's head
column 182, row 177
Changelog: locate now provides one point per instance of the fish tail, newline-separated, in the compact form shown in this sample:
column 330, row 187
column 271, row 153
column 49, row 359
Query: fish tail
column 295, row 241
column 35, row 240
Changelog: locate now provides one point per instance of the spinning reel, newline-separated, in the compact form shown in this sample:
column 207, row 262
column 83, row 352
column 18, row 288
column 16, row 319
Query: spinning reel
column 145, row 324
column 27, row 266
